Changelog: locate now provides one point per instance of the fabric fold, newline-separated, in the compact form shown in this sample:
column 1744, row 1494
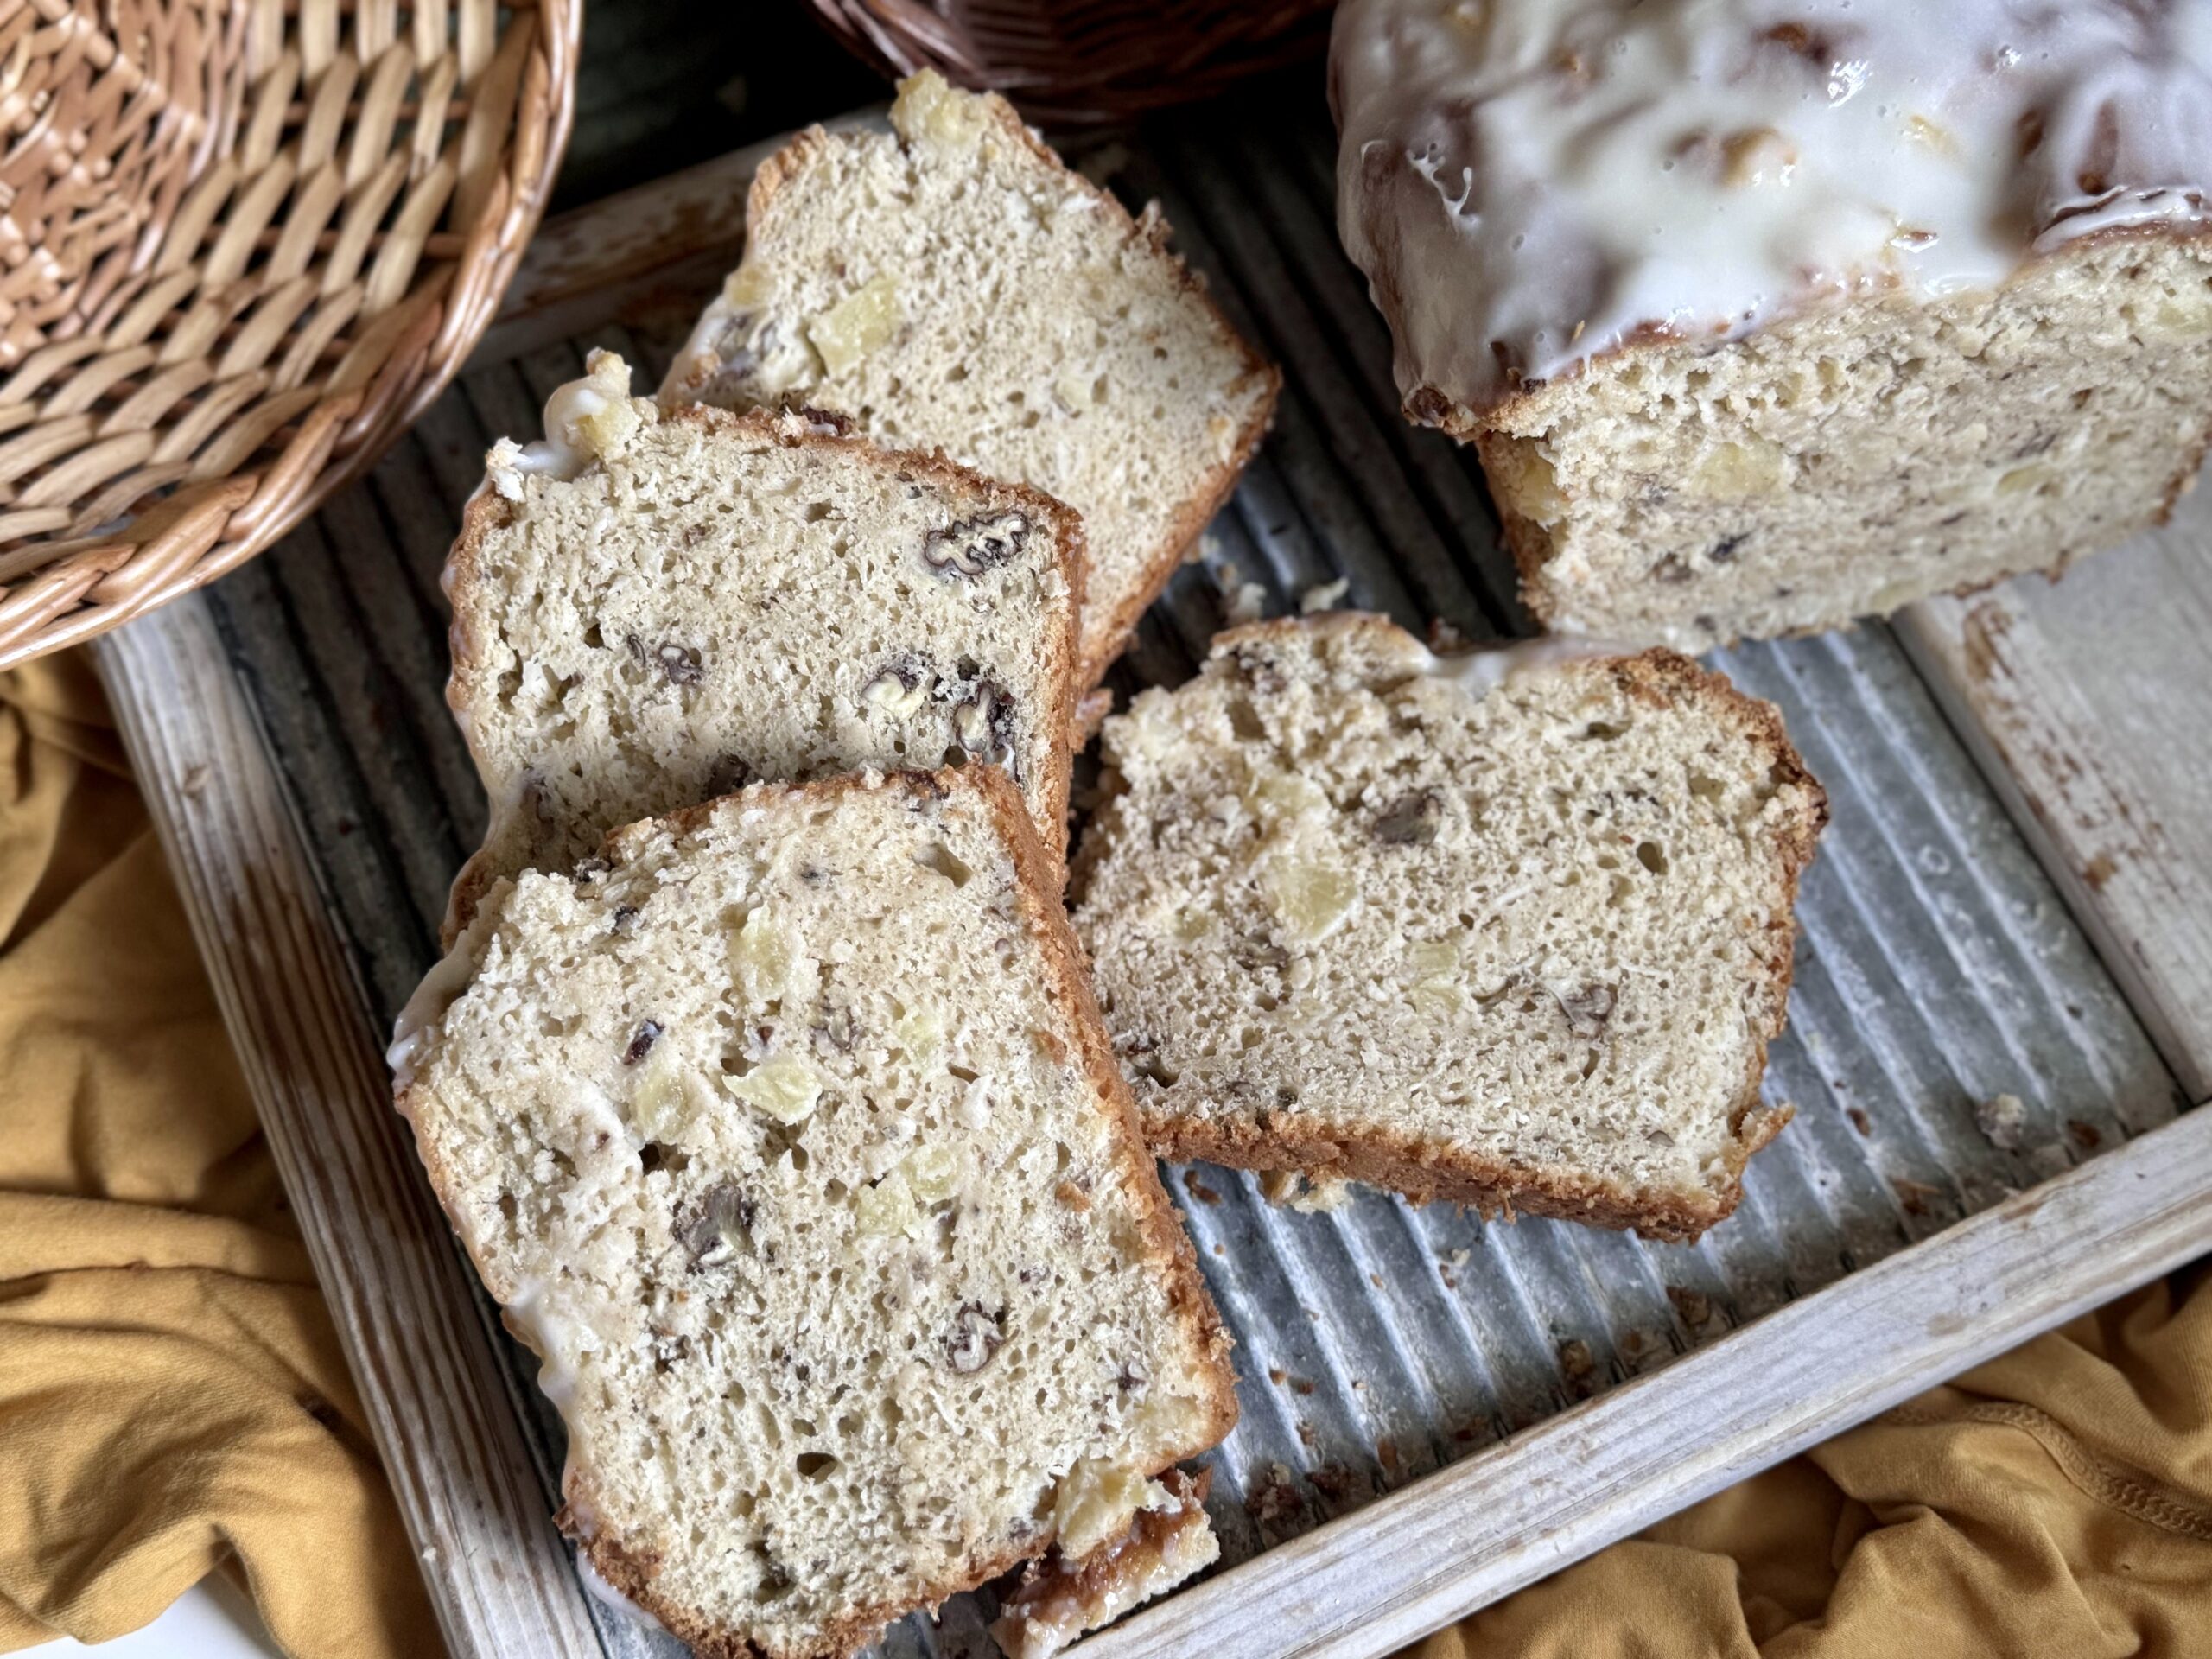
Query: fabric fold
column 2055, row 1501
column 172, row 1401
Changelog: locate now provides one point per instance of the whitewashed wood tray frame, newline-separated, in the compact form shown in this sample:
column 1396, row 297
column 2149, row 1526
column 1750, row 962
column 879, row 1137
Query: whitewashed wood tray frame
column 2088, row 706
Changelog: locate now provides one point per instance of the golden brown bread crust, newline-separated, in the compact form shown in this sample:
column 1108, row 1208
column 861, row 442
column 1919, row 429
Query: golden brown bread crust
column 1090, row 711
column 1038, row 875
column 632, row 1577
column 1426, row 1170
column 488, row 510
column 1119, row 620
column 1529, row 541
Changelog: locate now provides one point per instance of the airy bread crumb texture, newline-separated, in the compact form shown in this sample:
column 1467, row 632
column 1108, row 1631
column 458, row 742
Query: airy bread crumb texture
column 952, row 284
column 1351, row 914
column 1853, row 459
column 653, row 609
column 789, row 1140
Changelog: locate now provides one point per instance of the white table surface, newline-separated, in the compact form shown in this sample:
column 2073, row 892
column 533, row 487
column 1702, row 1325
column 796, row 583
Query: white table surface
column 212, row 1620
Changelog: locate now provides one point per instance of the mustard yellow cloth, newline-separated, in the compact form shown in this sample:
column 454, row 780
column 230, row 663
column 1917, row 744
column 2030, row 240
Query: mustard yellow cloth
column 172, row 1400
column 2055, row 1501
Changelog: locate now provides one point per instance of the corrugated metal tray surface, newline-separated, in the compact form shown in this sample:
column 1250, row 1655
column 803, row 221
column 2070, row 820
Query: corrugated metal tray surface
column 1936, row 967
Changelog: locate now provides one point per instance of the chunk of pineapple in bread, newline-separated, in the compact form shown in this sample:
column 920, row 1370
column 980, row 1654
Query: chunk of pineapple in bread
column 650, row 609
column 1511, row 928
column 951, row 284
column 791, row 1140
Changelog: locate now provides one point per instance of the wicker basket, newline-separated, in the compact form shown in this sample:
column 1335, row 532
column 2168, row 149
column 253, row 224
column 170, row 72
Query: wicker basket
column 243, row 243
column 1082, row 62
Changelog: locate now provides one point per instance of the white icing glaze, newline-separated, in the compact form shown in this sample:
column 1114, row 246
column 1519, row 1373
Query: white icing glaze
column 445, row 981
column 608, row 1596
column 1530, row 182
column 691, row 369
column 568, row 447
column 560, row 1341
column 447, row 978
column 1480, row 671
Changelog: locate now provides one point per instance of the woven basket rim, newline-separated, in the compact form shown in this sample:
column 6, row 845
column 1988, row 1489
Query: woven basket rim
column 259, row 441
column 1134, row 60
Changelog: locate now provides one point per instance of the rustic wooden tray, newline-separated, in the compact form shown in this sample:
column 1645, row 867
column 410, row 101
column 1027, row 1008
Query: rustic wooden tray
column 2016, row 898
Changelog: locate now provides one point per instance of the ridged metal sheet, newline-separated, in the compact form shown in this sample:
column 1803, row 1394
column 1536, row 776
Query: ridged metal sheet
column 1937, row 966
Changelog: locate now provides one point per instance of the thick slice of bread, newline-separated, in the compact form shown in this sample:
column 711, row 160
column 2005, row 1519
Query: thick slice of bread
column 1846, row 462
column 1746, row 353
column 1511, row 928
column 790, row 1138
column 952, row 285
column 652, row 608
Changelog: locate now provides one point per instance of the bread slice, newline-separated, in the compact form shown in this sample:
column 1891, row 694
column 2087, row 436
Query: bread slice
column 1761, row 321
column 951, row 284
column 1511, row 928
column 789, row 1137
column 652, row 608
column 1848, row 462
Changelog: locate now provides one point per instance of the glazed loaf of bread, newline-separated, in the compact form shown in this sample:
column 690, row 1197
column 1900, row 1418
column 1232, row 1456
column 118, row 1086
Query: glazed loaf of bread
column 1765, row 315
column 788, row 1136
column 652, row 608
column 950, row 285
column 1509, row 927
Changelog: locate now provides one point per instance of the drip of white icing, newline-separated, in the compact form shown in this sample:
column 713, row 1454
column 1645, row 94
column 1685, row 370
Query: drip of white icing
column 560, row 1343
column 444, row 983
column 583, row 1521
column 568, row 446
column 608, row 1596
column 701, row 358
column 441, row 988
column 1480, row 671
column 1530, row 184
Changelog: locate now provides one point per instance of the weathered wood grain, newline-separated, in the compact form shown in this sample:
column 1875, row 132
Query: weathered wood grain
column 2089, row 702
column 1505, row 1518
column 405, row 1303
